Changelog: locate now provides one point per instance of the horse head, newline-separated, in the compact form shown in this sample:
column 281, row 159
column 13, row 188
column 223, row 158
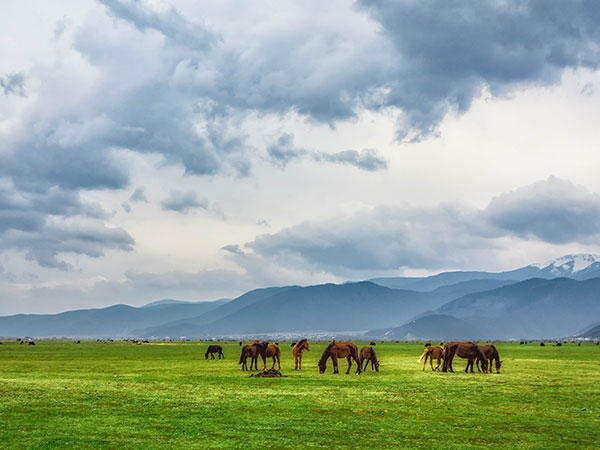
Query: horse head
column 482, row 359
column 322, row 365
column 498, row 365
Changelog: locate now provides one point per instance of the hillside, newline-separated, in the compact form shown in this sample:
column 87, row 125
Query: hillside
column 536, row 308
column 435, row 327
column 328, row 307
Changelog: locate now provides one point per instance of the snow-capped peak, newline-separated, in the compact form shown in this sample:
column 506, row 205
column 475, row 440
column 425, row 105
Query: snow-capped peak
column 570, row 263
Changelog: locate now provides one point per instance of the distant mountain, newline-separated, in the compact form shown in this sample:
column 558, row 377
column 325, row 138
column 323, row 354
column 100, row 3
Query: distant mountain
column 579, row 267
column 328, row 307
column 508, row 304
column 190, row 326
column 535, row 308
column 114, row 321
column 433, row 327
column 592, row 332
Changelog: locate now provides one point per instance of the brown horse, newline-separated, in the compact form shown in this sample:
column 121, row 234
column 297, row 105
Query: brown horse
column 432, row 352
column 214, row 349
column 299, row 347
column 272, row 351
column 367, row 355
column 337, row 350
column 252, row 351
column 490, row 353
column 467, row 350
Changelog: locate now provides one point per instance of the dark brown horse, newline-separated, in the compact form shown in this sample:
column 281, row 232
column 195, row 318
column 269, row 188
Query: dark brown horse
column 299, row 347
column 337, row 350
column 252, row 351
column 367, row 355
column 467, row 350
column 490, row 353
column 432, row 352
column 212, row 349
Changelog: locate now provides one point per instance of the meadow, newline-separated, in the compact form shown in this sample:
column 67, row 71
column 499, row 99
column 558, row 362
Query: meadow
column 58, row 394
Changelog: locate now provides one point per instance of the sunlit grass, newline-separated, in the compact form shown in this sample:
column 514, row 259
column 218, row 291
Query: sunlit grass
column 119, row 395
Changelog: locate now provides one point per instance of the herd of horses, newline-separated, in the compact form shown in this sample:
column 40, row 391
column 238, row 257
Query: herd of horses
column 480, row 356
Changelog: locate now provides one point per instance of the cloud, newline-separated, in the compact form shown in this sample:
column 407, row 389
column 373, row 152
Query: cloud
column 46, row 224
column 139, row 195
column 283, row 152
column 554, row 210
column 447, row 52
column 185, row 85
column 183, row 202
column 13, row 83
column 66, row 236
column 382, row 238
column 170, row 23
column 379, row 239
column 136, row 288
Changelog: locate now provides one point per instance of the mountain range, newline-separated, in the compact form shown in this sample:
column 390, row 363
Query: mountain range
column 555, row 299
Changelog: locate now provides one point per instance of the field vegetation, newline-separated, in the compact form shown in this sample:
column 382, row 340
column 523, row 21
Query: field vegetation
column 58, row 394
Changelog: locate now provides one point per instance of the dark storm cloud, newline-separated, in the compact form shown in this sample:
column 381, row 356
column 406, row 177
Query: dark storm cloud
column 555, row 211
column 183, row 202
column 283, row 151
column 13, row 83
column 448, row 51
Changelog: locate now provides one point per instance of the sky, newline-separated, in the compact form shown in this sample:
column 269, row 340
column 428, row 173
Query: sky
column 197, row 150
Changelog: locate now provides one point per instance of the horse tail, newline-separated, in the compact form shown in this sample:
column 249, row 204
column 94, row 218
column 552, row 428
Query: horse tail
column 423, row 355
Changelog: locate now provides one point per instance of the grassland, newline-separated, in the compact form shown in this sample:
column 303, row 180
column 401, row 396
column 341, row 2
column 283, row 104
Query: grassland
column 164, row 396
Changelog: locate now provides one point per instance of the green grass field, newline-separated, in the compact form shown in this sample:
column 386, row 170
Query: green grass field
column 165, row 396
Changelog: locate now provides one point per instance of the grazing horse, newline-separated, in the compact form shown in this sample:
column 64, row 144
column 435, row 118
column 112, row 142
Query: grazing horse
column 432, row 352
column 367, row 354
column 337, row 350
column 490, row 353
column 467, row 350
column 299, row 347
column 214, row 349
column 271, row 351
column 252, row 351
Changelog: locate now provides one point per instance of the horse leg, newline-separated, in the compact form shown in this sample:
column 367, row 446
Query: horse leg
column 278, row 363
column 431, row 362
column 296, row 360
column 221, row 355
column 212, row 356
column 349, row 358
column 439, row 361
column 300, row 362
column 335, row 364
